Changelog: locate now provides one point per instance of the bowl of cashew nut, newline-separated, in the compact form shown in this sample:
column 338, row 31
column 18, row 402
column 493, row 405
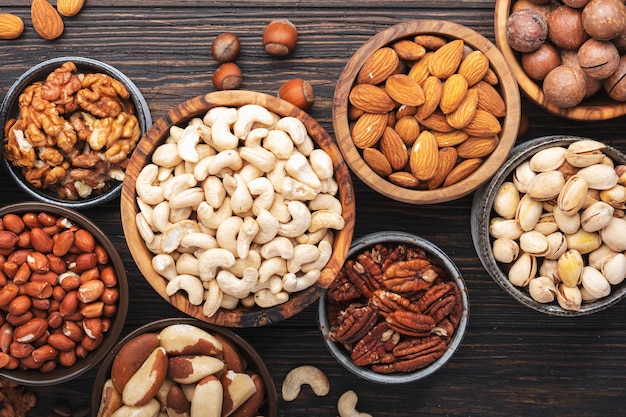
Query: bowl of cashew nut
column 238, row 208
column 69, row 127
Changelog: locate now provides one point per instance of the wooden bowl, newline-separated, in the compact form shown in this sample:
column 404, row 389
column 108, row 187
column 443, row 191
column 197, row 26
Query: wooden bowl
column 407, row 30
column 179, row 116
column 598, row 107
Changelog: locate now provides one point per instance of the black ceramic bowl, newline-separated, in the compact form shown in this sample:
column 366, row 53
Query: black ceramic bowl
column 9, row 110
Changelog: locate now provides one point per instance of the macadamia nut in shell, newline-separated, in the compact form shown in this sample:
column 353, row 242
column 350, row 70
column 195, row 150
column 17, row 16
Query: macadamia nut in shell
column 526, row 30
column 565, row 28
column 538, row 63
column 604, row 19
column 615, row 85
column 564, row 86
column 599, row 59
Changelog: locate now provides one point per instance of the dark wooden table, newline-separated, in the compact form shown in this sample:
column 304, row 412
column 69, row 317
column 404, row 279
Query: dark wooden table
column 513, row 360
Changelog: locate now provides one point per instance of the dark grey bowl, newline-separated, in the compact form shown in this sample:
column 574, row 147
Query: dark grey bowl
column 8, row 110
column 437, row 255
column 482, row 213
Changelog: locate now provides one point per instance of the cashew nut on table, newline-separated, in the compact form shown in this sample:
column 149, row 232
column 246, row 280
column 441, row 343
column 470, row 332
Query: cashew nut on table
column 238, row 207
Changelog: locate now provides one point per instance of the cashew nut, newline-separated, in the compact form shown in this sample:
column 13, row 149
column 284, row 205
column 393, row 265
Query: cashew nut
column 302, row 254
column 165, row 173
column 175, row 133
column 231, row 284
column 312, row 238
column 188, row 264
column 300, row 220
column 248, row 115
column 240, row 198
column 190, row 197
column 326, row 202
column 325, row 248
column 277, row 175
column 176, row 184
column 213, row 114
column 166, row 155
column 145, row 209
column 213, row 218
column 326, row 219
column 268, row 227
column 144, row 228
column 259, row 157
column 293, row 189
column 347, row 405
column 226, row 233
column 249, row 228
column 225, row 162
column 187, row 144
column 322, row 164
column 161, row 216
column 298, row 167
column 294, row 127
column 279, row 209
column 279, row 143
column 274, row 284
column 262, row 188
column 266, row 299
column 279, row 246
column 214, row 191
column 253, row 260
column 305, row 375
column 178, row 214
column 271, row 267
column 190, row 284
column 229, row 302
column 255, row 136
column 294, row 283
column 165, row 265
column 212, row 259
column 220, row 130
column 213, row 298
column 249, row 172
column 198, row 240
column 149, row 193
column 170, row 239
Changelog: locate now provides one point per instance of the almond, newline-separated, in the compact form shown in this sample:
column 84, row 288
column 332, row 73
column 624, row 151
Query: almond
column 404, row 90
column 453, row 138
column 378, row 66
column 419, row 71
column 368, row 129
column 475, row 147
column 445, row 60
column 465, row 112
column 454, row 91
column 437, row 122
column 474, row 67
column 69, row 8
column 489, row 99
column 433, row 89
column 377, row 161
column 484, row 124
column 424, row 157
column 47, row 22
column 394, row 149
column 11, row 26
column 403, row 179
column 409, row 50
column 462, row 171
column 371, row 99
column 447, row 161
column 405, row 110
column 430, row 42
column 408, row 128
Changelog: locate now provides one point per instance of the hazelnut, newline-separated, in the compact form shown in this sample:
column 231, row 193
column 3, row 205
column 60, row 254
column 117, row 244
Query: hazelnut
column 604, row 19
column 297, row 92
column 225, row 47
column 227, row 77
column 565, row 28
column 615, row 85
column 599, row 59
column 538, row 63
column 526, row 30
column 280, row 37
column 564, row 86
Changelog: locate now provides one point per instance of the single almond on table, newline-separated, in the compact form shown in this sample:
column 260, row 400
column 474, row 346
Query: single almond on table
column 69, row 8
column 11, row 26
column 47, row 22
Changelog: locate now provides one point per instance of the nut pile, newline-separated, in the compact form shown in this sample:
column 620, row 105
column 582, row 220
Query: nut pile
column 426, row 111
column 573, row 48
column 181, row 370
column 393, row 309
column 73, row 133
column 58, row 292
column 559, row 226
column 238, row 206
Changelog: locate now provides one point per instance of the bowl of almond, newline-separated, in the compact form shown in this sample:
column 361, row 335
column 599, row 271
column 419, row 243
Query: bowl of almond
column 426, row 111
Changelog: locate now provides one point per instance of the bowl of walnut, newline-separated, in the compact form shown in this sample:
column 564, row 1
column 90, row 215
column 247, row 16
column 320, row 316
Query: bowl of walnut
column 549, row 227
column 238, row 208
column 397, row 311
column 69, row 127
column 426, row 111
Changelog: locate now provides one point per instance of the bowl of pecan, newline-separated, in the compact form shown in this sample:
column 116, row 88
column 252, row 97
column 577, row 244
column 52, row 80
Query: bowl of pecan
column 195, row 368
column 397, row 311
column 426, row 111
column 69, row 127
column 549, row 226
column 63, row 294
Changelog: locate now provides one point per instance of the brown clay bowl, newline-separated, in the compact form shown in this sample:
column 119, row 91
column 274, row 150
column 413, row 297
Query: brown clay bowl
column 507, row 88
column 239, row 316
column 598, row 107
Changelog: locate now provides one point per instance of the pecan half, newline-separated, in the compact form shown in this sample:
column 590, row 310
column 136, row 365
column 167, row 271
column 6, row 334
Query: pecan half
column 376, row 346
column 410, row 323
column 354, row 323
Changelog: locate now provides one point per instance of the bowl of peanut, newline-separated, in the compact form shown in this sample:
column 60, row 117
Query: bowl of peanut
column 212, row 371
column 549, row 226
column 63, row 295
column 238, row 208
column 426, row 111
column 397, row 311
column 69, row 127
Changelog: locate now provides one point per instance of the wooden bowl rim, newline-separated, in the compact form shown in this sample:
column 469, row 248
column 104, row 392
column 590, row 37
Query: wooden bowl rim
column 507, row 137
column 585, row 111
column 239, row 317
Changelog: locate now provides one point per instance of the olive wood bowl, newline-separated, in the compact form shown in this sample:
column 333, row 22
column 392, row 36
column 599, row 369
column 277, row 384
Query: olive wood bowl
column 598, row 107
column 507, row 87
column 482, row 213
column 179, row 115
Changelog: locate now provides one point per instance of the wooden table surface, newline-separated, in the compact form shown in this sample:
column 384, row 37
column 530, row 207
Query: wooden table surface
column 513, row 360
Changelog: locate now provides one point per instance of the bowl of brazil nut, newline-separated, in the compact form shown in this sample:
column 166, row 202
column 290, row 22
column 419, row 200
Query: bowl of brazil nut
column 426, row 111
column 63, row 295
column 238, row 208
column 549, row 227
column 69, row 127
column 567, row 56
column 397, row 311
column 195, row 368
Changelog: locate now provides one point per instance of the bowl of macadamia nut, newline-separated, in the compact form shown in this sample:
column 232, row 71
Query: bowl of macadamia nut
column 183, row 366
column 63, row 294
column 426, row 111
column 238, row 208
column 397, row 311
column 70, row 125
column 549, row 227
column 567, row 55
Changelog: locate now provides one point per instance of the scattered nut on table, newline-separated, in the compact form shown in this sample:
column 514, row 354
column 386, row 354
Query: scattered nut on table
column 558, row 224
column 301, row 375
column 238, row 206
